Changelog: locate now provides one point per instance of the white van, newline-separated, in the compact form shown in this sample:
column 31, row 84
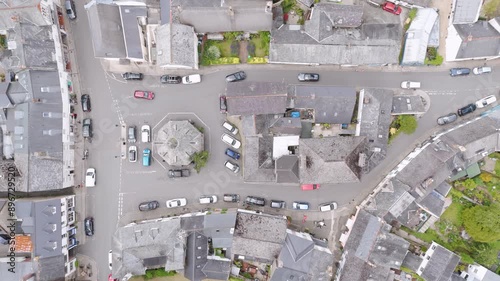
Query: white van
column 207, row 199
column 410, row 85
column 145, row 133
column 328, row 207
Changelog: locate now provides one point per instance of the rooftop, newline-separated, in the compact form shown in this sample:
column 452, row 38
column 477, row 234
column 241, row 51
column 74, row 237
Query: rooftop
column 466, row 11
column 325, row 17
column 418, row 35
column 28, row 10
column 253, row 98
column 441, row 264
column 479, row 39
column 287, row 169
column 258, row 160
column 176, row 46
column 407, row 104
column 131, row 18
column 177, row 141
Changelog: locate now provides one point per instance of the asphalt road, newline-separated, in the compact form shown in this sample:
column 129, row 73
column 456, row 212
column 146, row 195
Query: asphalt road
column 121, row 185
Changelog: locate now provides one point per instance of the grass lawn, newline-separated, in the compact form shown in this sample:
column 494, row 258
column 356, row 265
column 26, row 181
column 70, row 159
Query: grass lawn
column 497, row 168
column 452, row 214
column 259, row 51
column 225, row 48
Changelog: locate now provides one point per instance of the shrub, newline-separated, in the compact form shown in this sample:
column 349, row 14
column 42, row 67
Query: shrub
column 212, row 53
column 199, row 159
column 486, row 177
column 407, row 124
column 412, row 14
column 232, row 35
column 256, row 60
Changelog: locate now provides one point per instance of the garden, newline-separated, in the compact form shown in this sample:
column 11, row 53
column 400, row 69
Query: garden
column 402, row 124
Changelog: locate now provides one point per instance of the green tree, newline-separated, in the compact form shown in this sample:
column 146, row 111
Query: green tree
column 491, row 8
column 485, row 177
column 407, row 124
column 213, row 52
column 469, row 184
column 482, row 223
column 200, row 159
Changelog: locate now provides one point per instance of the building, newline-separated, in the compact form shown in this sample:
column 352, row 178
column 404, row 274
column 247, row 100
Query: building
column 438, row 263
column 422, row 33
column 476, row 272
column 256, row 98
column 177, row 141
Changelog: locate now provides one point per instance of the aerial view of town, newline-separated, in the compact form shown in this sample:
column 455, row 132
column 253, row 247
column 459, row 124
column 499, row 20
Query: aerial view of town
column 250, row 140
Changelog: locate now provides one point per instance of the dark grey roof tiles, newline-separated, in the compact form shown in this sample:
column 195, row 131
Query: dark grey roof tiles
column 254, row 98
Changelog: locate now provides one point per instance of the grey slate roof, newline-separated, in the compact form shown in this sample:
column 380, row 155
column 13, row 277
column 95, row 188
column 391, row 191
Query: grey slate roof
column 217, row 268
column 433, row 203
column 466, row 11
column 407, row 104
column 221, row 16
column 331, row 104
column 196, row 255
column 176, row 45
column 177, row 141
column 50, row 269
column 393, row 198
column 417, row 36
column 258, row 160
column 130, row 18
column 23, row 269
column 220, row 228
column 285, row 126
column 106, row 30
column 325, row 17
column 479, row 39
column 441, row 265
column 24, row 10
column 412, row 261
column 330, row 159
column 287, row 169
column 253, row 98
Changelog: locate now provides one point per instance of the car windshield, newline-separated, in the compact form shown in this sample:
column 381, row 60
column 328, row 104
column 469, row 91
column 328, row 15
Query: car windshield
column 89, row 173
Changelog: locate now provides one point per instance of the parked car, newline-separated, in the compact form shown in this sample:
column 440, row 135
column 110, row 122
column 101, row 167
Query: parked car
column 233, row 154
column 481, row 70
column 447, row 119
column 90, row 177
column 298, row 205
column 207, row 199
column 310, row 186
column 87, row 128
column 459, row 72
column 410, row 85
column 179, row 202
column 171, row 79
column 132, row 153
column 222, row 104
column 325, row 207
column 89, row 226
column 230, row 127
column 237, row 76
column 466, row 109
column 147, row 95
column 132, row 76
column 253, row 200
column 146, row 157
column 392, row 8
column 145, row 133
column 69, row 5
column 131, row 134
column 191, row 79
column 110, row 259
column 227, row 139
column 110, row 278
column 486, row 101
column 233, row 198
column 149, row 206
column 86, row 103
column 308, row 77
column 278, row 204
column 181, row 173
column 233, row 167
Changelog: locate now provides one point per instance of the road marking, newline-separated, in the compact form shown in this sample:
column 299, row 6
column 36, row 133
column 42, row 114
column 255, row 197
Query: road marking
column 141, row 114
column 140, row 172
column 441, row 93
column 120, row 205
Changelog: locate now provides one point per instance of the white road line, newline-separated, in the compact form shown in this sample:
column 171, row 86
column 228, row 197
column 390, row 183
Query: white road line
column 120, row 205
column 141, row 114
column 441, row 94
column 140, row 172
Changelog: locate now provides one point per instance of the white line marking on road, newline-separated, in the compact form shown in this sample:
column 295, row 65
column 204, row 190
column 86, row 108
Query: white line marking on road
column 441, row 94
column 120, row 205
column 140, row 172
column 141, row 114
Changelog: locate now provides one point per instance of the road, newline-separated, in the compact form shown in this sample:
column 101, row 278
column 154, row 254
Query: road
column 121, row 185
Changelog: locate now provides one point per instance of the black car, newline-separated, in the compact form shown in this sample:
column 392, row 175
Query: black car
column 447, row 119
column 466, row 109
column 258, row 201
column 132, row 76
column 306, row 77
column 171, row 79
column 237, row 76
column 222, row 104
column 459, row 72
column 149, row 206
column 233, row 154
column 89, row 226
column 86, row 103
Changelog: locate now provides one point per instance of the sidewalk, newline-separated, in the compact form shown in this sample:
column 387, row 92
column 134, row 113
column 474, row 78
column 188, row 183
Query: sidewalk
column 87, row 269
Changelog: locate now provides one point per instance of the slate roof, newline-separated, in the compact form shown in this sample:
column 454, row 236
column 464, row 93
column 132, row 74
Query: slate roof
column 258, row 160
column 441, row 264
column 287, row 169
column 177, row 141
column 259, row 236
column 176, row 45
column 220, row 228
column 50, row 269
column 412, row 261
column 325, row 17
column 407, row 104
column 25, row 10
column 393, row 198
column 433, row 203
column 106, row 30
column 331, row 104
column 285, row 126
column 196, row 256
column 253, row 98
column 217, row 268
column 480, row 273
column 479, row 39
column 330, row 159
column 220, row 16
column 130, row 18
column 23, row 269
column 417, row 37
column 466, row 11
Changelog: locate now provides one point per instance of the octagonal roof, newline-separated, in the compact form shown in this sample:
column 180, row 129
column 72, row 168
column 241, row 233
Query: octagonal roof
column 176, row 141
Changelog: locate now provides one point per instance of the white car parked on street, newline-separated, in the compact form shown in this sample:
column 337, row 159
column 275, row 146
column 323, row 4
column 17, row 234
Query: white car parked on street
column 410, row 85
column 90, row 177
column 231, row 141
column 174, row 203
column 145, row 133
column 486, row 101
column 191, row 79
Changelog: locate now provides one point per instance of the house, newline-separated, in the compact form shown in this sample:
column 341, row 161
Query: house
column 302, row 258
column 370, row 250
column 466, row 11
column 407, row 104
column 256, row 98
column 319, row 157
column 44, row 234
column 422, row 33
column 36, row 12
column 178, row 46
column 438, row 263
column 338, row 34
column 476, row 272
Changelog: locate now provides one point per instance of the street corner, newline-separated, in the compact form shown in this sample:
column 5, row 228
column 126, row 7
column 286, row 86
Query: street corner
column 86, row 268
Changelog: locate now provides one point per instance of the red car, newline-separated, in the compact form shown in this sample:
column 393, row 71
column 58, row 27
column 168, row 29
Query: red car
column 310, row 186
column 110, row 278
column 391, row 8
column 144, row 95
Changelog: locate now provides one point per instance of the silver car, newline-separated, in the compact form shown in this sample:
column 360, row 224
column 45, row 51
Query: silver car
column 297, row 205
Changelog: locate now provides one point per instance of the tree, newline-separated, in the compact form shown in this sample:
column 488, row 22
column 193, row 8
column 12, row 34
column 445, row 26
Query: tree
column 469, row 184
column 485, row 177
column 482, row 223
column 199, row 159
column 407, row 124
column 213, row 52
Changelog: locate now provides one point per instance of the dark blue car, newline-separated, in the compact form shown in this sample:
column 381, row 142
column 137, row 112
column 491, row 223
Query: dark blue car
column 233, row 154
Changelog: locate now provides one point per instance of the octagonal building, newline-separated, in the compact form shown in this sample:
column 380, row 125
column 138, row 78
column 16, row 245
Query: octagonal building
column 176, row 141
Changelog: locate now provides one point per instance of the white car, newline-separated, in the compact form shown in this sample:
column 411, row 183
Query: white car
column 90, row 177
column 231, row 141
column 174, row 203
column 410, row 85
column 230, row 127
column 191, row 79
column 481, row 70
column 207, row 199
column 145, row 133
column 132, row 153
column 110, row 259
column 486, row 101
column 325, row 207
column 233, row 167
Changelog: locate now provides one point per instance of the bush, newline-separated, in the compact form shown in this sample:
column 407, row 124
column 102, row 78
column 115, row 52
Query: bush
column 232, row 35
column 438, row 61
column 486, row 177
column 213, row 52
column 199, row 159
column 412, row 14
column 256, row 60
column 431, row 53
